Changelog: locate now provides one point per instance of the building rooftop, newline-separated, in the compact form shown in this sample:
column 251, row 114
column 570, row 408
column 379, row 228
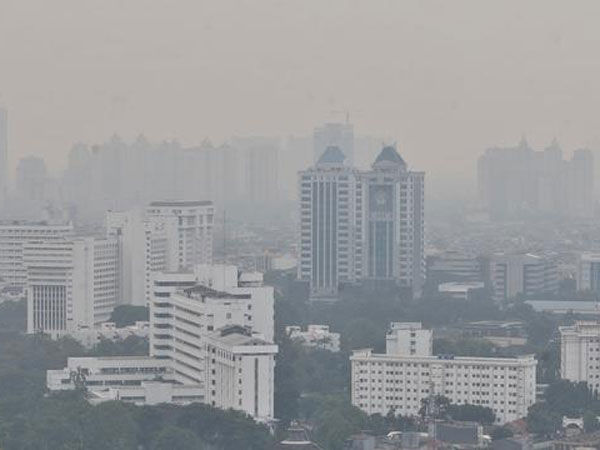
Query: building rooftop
column 389, row 155
column 236, row 335
column 332, row 155
column 205, row 291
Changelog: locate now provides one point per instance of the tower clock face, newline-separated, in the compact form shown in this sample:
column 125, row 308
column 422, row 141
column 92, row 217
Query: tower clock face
column 381, row 198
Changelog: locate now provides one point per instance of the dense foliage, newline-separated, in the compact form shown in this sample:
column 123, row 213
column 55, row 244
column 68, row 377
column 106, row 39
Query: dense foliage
column 563, row 398
column 32, row 420
column 124, row 315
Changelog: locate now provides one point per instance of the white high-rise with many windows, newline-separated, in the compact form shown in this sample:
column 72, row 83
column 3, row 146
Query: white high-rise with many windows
column 189, row 231
column 13, row 237
column 71, row 283
column 143, row 253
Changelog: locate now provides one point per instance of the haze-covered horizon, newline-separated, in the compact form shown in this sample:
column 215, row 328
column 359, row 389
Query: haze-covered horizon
column 445, row 80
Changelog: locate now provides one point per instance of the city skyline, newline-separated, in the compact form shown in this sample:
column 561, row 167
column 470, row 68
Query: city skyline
column 442, row 80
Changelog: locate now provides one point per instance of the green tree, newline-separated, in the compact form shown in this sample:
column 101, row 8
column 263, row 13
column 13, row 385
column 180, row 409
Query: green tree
column 543, row 420
column 501, row 433
column 472, row 413
column 124, row 315
column 110, row 426
column 590, row 422
column 176, row 438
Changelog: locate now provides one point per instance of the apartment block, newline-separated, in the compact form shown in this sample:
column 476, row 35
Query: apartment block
column 398, row 382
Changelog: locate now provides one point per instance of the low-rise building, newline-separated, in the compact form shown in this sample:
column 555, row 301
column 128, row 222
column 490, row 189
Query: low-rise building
column 317, row 336
column 499, row 333
column 89, row 337
column 399, row 382
column 526, row 275
column 460, row 290
column 101, row 373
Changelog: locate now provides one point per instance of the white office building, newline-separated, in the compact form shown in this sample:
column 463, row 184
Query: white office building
column 525, row 275
column 14, row 235
column 580, row 353
column 189, row 231
column 71, row 283
column 239, row 371
column 219, row 297
column 143, row 253
column 399, row 382
column 317, row 336
column 190, row 309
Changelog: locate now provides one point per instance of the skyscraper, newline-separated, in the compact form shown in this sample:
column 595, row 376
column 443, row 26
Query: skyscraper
column 330, row 221
column 394, row 231
column 339, row 135
column 3, row 156
column 361, row 225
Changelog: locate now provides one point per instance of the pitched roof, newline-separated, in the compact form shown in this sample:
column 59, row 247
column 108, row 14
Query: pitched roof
column 389, row 155
column 332, row 155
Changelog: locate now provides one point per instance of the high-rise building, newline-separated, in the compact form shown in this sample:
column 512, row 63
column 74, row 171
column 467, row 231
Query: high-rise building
column 13, row 237
column 522, row 275
column 189, row 231
column 32, row 178
column 71, row 283
column 330, row 225
column 588, row 273
column 143, row 253
column 365, row 226
column 400, row 380
column 579, row 346
column 339, row 135
column 394, row 222
column 519, row 182
column 3, row 156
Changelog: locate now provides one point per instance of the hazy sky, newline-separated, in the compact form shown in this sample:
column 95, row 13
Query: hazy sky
column 447, row 78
